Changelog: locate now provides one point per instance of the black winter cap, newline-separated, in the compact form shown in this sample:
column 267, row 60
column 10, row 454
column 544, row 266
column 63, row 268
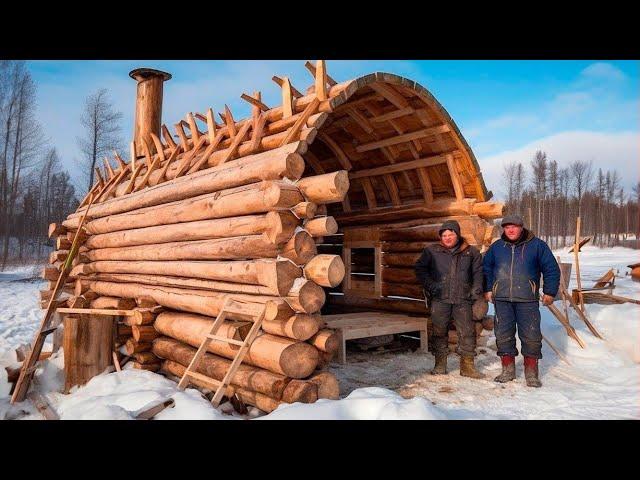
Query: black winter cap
column 512, row 220
column 450, row 225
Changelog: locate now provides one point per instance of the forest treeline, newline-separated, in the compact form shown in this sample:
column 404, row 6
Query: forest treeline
column 550, row 198
column 35, row 187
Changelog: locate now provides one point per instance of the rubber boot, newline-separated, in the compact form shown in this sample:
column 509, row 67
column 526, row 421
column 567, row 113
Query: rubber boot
column 441, row 365
column 468, row 369
column 508, row 369
column 531, row 372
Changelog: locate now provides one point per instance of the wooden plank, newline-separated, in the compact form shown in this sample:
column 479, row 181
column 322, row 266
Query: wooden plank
column 407, row 137
column 429, row 161
column 312, row 69
column 211, row 126
column 287, row 99
column 425, row 183
column 159, row 146
column 378, row 270
column 167, row 137
column 455, row 177
column 98, row 311
column 195, row 133
column 368, row 191
column 294, row 131
column 360, row 120
column 151, row 410
column 392, row 115
column 43, row 406
column 183, row 136
column 390, row 182
column 390, row 94
column 280, row 82
column 255, row 102
column 321, row 80
column 235, row 144
column 337, row 151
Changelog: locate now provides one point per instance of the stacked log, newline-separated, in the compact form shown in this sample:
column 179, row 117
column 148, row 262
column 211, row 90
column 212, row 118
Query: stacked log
column 245, row 229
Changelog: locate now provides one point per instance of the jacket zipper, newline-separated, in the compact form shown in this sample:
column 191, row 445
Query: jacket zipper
column 513, row 249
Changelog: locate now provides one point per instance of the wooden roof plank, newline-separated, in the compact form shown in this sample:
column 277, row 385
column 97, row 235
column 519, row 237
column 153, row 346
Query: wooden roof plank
column 399, row 167
column 407, row 137
column 458, row 188
column 337, row 151
column 389, row 93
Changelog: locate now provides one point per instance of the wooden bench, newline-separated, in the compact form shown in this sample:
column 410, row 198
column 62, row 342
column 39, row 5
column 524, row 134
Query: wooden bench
column 371, row 324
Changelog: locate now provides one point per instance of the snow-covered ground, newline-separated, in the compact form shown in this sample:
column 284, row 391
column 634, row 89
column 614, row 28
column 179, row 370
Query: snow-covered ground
column 601, row 381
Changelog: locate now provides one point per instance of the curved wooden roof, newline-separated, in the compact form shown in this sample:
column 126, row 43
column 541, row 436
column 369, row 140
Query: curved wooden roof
column 405, row 155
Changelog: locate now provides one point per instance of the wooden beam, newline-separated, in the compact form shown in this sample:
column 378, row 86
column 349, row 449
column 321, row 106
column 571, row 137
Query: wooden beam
column 211, row 126
column 392, row 115
column 174, row 153
column 455, row 177
column 255, row 102
column 399, row 167
column 230, row 122
column 159, row 146
column 195, row 133
column 287, row 101
column 132, row 180
column 321, row 80
column 121, row 163
column 391, row 94
column 312, row 160
column 107, row 168
column 390, row 182
column 312, row 69
column 186, row 160
column 407, row 137
column 147, row 152
column 294, row 131
column 183, row 137
column 167, row 137
column 233, row 148
column 279, row 81
column 258, row 133
column 337, row 151
column 425, row 183
column 361, row 120
column 369, row 192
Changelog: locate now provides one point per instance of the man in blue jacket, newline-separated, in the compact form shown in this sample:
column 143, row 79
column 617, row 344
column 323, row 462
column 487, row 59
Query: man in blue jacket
column 512, row 268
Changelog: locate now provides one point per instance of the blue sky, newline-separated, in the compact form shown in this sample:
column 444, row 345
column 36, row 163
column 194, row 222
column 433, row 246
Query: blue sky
column 587, row 110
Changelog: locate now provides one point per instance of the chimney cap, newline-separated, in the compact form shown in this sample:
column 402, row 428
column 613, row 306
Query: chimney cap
column 140, row 74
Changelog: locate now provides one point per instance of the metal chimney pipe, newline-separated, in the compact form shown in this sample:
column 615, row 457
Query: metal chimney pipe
column 148, row 105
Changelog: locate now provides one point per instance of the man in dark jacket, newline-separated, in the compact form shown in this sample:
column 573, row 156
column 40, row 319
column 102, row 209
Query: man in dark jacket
column 512, row 268
column 451, row 275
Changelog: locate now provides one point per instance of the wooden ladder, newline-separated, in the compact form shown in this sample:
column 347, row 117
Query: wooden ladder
column 254, row 312
column 29, row 365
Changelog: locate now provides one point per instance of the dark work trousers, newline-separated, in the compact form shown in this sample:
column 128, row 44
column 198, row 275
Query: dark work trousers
column 441, row 315
column 526, row 315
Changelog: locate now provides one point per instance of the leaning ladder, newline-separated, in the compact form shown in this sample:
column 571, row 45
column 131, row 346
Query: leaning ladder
column 254, row 312
column 29, row 365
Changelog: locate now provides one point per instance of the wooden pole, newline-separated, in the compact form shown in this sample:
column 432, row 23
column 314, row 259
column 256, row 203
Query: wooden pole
column 576, row 248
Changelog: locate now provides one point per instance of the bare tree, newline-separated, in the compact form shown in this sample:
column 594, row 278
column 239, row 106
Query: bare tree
column 102, row 132
column 581, row 177
column 21, row 140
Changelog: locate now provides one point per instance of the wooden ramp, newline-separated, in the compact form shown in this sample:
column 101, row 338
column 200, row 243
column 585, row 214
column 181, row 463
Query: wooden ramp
column 371, row 324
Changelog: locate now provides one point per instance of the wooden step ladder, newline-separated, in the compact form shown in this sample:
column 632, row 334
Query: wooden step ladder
column 253, row 312
column 47, row 326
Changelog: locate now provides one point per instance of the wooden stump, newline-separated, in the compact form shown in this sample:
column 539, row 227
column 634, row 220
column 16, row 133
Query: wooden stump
column 88, row 347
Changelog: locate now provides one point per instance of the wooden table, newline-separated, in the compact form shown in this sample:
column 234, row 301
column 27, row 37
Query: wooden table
column 371, row 324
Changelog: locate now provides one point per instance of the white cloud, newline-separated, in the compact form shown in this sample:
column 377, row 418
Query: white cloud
column 609, row 151
column 603, row 71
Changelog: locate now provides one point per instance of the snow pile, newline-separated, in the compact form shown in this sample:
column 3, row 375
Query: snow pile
column 600, row 381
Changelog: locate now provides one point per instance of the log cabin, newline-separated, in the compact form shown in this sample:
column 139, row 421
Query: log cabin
column 317, row 207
